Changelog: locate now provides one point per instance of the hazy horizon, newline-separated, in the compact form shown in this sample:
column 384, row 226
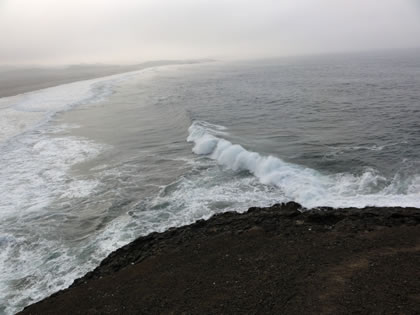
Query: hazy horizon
column 127, row 32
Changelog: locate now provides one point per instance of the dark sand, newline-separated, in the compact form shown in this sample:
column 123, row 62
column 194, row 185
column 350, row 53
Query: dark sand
column 267, row 261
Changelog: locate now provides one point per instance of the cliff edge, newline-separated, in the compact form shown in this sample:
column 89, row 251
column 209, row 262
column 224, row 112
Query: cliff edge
column 277, row 260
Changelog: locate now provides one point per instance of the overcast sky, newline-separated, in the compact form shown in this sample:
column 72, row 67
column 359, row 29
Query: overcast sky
column 129, row 31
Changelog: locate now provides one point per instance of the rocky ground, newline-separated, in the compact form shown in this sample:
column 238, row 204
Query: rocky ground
column 276, row 260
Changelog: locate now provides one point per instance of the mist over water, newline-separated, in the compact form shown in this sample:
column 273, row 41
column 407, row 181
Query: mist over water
column 87, row 167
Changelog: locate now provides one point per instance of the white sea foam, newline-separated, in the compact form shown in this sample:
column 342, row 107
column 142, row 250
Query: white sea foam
column 13, row 122
column 22, row 112
column 34, row 174
column 42, row 194
column 301, row 184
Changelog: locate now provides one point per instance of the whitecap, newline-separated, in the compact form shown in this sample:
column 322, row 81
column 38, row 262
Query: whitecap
column 307, row 186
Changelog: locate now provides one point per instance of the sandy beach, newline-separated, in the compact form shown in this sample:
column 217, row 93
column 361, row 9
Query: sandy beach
column 15, row 80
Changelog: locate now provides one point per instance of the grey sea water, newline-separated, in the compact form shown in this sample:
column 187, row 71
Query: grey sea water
column 88, row 166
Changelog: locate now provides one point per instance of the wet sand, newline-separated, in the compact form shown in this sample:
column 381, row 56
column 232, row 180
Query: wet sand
column 275, row 260
column 15, row 81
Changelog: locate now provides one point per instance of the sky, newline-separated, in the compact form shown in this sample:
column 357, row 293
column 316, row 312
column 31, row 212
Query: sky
column 53, row 32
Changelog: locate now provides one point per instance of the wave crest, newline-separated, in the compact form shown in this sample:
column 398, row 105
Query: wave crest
column 307, row 186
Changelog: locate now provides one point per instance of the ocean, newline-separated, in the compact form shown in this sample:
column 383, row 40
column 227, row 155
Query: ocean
column 88, row 166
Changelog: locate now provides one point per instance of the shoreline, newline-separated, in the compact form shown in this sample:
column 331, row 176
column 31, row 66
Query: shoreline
column 15, row 81
column 267, row 260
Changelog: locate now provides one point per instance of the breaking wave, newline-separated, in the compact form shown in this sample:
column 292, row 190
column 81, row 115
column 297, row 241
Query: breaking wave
column 305, row 185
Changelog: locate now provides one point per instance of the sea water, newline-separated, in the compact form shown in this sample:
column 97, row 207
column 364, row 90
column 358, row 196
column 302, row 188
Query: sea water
column 87, row 167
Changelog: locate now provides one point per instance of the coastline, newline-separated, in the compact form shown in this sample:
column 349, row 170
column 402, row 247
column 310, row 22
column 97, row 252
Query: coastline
column 268, row 260
column 14, row 81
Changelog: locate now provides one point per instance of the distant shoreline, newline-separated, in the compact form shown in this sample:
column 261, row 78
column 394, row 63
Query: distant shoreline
column 275, row 260
column 18, row 81
column 14, row 81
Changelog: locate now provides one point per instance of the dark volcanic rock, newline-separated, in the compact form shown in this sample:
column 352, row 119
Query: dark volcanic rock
column 277, row 260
